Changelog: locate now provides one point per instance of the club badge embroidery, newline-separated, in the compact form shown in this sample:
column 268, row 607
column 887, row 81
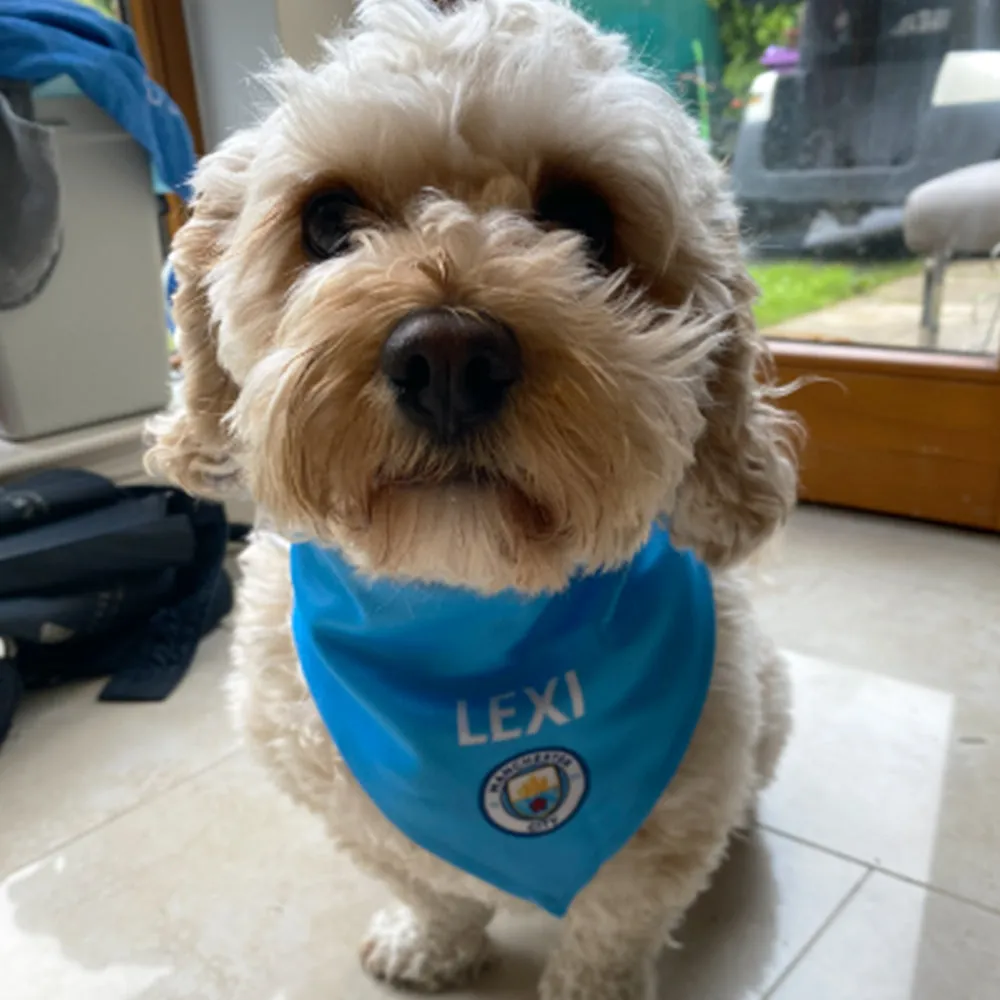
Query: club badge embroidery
column 535, row 793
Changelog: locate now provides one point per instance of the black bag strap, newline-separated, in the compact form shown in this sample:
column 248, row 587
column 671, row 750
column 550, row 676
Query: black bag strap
column 153, row 659
column 52, row 495
column 11, row 686
column 74, row 542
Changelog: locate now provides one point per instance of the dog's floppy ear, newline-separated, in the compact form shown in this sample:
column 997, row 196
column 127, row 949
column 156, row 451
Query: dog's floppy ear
column 742, row 483
column 191, row 446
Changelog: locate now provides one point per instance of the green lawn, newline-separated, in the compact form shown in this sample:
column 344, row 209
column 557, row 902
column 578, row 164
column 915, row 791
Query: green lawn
column 791, row 288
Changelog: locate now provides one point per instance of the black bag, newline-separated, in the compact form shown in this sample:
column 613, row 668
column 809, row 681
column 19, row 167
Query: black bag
column 97, row 579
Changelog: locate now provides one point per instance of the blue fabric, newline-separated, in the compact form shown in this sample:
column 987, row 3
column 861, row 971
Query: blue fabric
column 40, row 39
column 522, row 740
column 168, row 281
column 63, row 86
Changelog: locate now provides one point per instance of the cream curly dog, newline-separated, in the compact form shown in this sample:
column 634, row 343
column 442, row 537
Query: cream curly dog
column 468, row 309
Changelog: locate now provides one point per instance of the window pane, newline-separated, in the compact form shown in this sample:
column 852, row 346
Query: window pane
column 862, row 138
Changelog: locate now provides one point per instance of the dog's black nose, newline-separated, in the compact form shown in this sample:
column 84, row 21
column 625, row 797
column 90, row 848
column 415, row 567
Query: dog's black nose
column 450, row 368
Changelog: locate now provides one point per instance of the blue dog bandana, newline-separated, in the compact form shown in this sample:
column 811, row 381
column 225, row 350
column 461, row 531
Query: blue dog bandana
column 524, row 740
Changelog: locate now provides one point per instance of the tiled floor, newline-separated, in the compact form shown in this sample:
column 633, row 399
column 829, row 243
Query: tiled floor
column 142, row 856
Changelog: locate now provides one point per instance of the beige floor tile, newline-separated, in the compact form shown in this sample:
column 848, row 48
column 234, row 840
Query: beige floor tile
column 864, row 771
column 914, row 601
column 824, row 539
column 220, row 890
column 71, row 762
column 917, row 604
column 216, row 890
column 770, row 899
column 967, row 853
column 896, row 941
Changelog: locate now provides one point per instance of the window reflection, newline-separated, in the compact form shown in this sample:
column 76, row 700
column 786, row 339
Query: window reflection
column 864, row 143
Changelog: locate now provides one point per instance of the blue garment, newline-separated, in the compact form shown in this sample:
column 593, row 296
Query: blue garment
column 41, row 39
column 524, row 740
column 168, row 281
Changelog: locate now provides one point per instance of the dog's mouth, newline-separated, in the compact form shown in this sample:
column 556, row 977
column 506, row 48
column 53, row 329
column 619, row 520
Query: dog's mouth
column 467, row 482
column 442, row 477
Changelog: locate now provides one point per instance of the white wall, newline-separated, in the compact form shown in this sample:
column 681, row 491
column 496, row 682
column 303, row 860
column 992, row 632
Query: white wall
column 303, row 22
column 231, row 39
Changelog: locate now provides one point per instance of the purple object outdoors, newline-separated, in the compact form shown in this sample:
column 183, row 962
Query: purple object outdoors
column 777, row 57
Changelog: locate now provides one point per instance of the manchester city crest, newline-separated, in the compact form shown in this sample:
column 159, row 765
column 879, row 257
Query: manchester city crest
column 535, row 792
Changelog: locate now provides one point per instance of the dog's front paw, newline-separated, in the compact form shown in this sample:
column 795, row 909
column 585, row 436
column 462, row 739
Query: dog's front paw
column 403, row 951
column 563, row 980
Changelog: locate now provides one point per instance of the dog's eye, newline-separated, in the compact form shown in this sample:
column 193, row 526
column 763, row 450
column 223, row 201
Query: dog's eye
column 327, row 221
column 573, row 205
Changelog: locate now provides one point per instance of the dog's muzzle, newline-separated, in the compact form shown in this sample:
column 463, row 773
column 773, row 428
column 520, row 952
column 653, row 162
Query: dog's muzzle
column 451, row 369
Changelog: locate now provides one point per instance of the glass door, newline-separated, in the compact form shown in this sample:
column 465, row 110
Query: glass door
column 863, row 139
column 866, row 162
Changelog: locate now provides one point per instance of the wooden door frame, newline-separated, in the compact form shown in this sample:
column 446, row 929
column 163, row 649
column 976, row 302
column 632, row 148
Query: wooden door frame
column 897, row 431
column 162, row 35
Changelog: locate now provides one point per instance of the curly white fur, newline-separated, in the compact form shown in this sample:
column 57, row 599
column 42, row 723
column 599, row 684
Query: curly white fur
column 640, row 401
